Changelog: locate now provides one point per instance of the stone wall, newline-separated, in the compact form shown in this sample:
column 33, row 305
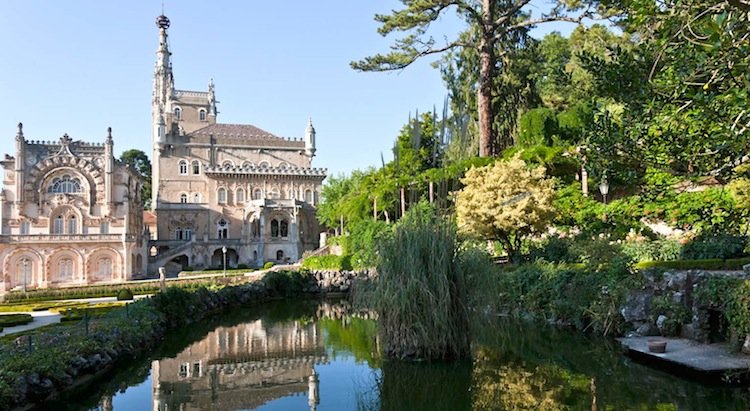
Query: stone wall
column 656, row 308
column 331, row 281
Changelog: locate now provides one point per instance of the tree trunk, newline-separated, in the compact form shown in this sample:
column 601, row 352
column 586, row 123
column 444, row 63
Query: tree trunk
column 375, row 209
column 403, row 202
column 487, row 143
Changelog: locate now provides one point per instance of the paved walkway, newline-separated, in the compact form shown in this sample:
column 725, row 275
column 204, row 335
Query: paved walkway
column 41, row 318
column 690, row 356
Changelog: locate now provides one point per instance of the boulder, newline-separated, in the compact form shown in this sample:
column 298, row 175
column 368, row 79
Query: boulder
column 636, row 306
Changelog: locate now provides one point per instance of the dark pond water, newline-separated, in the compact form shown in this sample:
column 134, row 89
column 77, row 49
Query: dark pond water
column 315, row 355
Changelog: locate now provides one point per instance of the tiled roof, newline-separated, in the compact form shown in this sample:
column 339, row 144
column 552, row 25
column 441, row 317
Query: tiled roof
column 149, row 218
column 244, row 134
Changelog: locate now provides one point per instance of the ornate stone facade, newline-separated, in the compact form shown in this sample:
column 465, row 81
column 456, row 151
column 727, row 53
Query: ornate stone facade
column 225, row 191
column 70, row 215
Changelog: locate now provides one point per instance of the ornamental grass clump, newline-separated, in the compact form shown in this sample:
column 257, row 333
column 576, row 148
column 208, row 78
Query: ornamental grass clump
column 422, row 291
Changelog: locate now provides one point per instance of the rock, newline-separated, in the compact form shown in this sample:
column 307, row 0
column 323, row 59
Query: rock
column 687, row 331
column 676, row 280
column 647, row 330
column 660, row 321
column 636, row 306
column 677, row 297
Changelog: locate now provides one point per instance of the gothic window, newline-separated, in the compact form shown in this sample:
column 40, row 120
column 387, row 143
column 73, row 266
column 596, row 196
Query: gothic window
column 183, row 198
column 274, row 228
column 274, row 193
column 179, row 234
column 188, row 233
column 308, row 196
column 65, row 269
column 104, row 228
column 257, row 194
column 183, row 167
column 177, row 113
column 196, row 167
column 202, row 114
column 72, row 225
column 284, row 228
column 105, row 267
column 58, row 227
column 65, row 184
column 240, row 195
column 25, row 227
column 222, row 229
column 222, row 195
column 279, row 255
column 197, row 198
column 283, row 164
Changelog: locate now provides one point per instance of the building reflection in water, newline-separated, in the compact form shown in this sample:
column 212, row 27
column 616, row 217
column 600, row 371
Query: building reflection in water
column 241, row 367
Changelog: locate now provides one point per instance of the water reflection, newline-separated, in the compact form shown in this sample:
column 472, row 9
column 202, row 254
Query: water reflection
column 321, row 356
column 240, row 367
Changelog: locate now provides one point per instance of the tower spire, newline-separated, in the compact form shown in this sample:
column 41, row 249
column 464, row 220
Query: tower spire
column 161, row 99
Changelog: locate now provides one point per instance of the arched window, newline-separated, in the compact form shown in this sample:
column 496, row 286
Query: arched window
column 177, row 113
column 58, row 227
column 183, row 198
column 183, row 167
column 222, row 195
column 274, row 228
column 274, row 193
column 72, row 225
column 257, row 194
column 240, row 195
column 178, row 233
column 284, row 228
column 65, row 184
column 105, row 267
column 308, row 196
column 65, row 269
column 222, row 229
column 196, row 167
column 202, row 114
column 279, row 255
column 263, row 164
column 188, row 233
column 283, row 164
column 197, row 198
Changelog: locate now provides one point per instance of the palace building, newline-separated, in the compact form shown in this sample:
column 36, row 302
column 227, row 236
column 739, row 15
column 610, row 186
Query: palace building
column 223, row 195
column 70, row 215
column 225, row 192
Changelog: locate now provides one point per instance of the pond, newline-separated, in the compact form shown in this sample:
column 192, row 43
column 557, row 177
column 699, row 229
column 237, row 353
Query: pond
column 320, row 355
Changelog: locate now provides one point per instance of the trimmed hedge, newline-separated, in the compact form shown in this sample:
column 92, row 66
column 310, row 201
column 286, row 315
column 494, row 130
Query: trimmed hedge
column 11, row 320
column 328, row 262
column 710, row 264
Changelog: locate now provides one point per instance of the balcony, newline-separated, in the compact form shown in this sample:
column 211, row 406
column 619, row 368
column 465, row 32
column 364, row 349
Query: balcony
column 66, row 238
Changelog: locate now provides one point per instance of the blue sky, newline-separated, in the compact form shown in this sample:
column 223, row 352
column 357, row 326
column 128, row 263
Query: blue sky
column 80, row 66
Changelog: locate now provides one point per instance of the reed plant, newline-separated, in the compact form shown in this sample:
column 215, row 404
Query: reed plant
column 423, row 289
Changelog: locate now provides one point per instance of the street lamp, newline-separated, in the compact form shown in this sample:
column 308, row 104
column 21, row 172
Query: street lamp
column 604, row 189
column 25, row 273
column 224, row 251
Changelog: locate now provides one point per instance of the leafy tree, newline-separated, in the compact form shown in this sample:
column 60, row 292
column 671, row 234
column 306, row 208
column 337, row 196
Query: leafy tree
column 139, row 161
column 505, row 201
column 495, row 26
column 538, row 126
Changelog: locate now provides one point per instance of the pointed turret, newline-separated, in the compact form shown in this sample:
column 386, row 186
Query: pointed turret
column 310, row 139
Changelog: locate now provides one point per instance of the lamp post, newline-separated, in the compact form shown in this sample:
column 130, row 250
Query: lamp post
column 604, row 189
column 224, row 251
column 25, row 273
